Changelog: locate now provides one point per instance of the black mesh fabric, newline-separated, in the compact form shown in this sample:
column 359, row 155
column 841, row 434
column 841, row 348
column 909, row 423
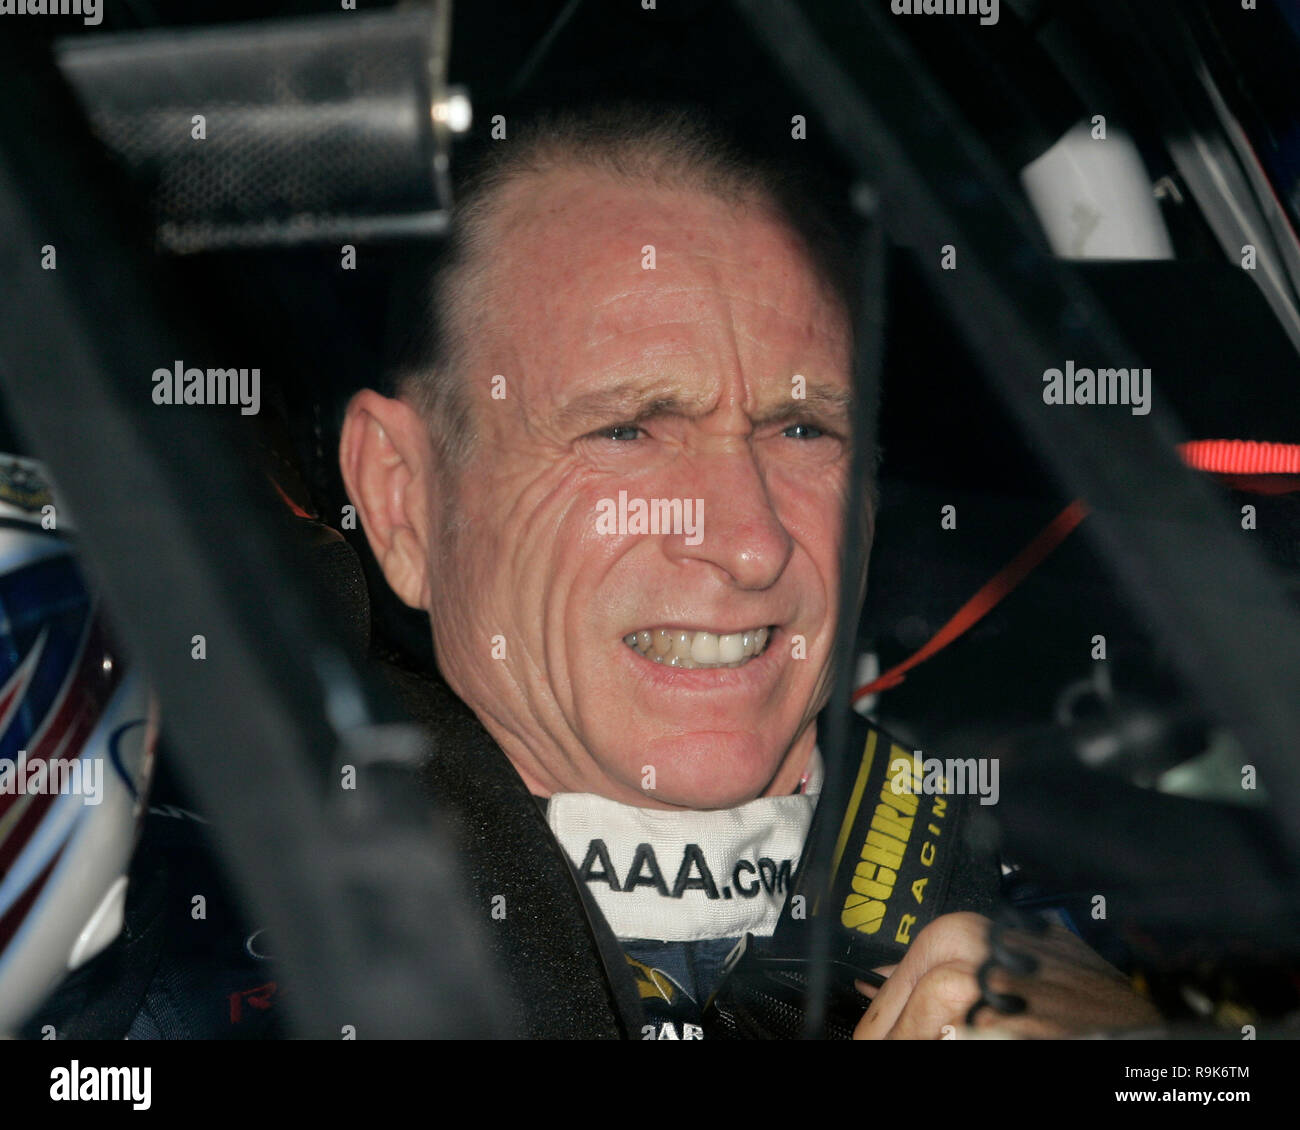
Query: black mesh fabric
column 307, row 124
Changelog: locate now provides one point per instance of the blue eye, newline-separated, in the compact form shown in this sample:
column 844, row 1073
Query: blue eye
column 807, row 431
column 621, row 432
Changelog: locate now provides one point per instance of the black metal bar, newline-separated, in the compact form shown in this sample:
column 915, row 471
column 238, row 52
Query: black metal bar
column 1234, row 635
column 362, row 904
column 869, row 352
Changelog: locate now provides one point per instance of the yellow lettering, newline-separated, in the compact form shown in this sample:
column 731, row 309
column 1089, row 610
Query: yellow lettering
column 888, row 821
column 918, row 889
column 905, row 803
column 877, row 885
column 905, row 775
column 930, row 847
column 880, row 848
column 904, row 929
column 863, row 915
column 886, row 843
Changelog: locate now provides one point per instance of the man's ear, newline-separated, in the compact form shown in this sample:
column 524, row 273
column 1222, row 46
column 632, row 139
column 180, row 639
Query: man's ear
column 386, row 456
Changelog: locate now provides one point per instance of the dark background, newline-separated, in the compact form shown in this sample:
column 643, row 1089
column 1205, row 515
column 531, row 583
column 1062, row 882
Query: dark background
column 319, row 333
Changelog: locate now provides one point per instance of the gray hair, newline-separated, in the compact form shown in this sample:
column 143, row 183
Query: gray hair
column 674, row 149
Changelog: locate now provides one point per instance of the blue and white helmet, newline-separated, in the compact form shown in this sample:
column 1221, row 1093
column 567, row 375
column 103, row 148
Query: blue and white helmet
column 77, row 733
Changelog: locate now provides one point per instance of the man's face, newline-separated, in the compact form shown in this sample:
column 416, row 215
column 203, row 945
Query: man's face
column 718, row 381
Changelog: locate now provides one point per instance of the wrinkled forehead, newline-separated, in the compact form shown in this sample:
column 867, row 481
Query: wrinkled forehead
column 592, row 278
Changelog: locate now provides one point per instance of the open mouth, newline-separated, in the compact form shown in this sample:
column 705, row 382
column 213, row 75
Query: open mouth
column 675, row 647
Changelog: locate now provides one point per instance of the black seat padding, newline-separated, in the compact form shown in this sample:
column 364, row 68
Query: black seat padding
column 564, row 969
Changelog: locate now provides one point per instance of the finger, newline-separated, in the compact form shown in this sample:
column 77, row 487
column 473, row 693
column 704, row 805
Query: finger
column 877, row 977
column 888, row 1001
column 942, row 996
column 869, row 990
column 939, row 1001
column 960, row 937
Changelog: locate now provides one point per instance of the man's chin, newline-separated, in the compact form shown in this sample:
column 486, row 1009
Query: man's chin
column 706, row 771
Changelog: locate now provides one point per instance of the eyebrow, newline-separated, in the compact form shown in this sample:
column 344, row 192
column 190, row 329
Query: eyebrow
column 632, row 402
column 830, row 399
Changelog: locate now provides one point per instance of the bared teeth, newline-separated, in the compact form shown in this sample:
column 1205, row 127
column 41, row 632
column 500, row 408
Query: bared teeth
column 704, row 648
column 686, row 649
column 731, row 648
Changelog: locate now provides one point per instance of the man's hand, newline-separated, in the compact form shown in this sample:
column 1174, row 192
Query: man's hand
column 1072, row 991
